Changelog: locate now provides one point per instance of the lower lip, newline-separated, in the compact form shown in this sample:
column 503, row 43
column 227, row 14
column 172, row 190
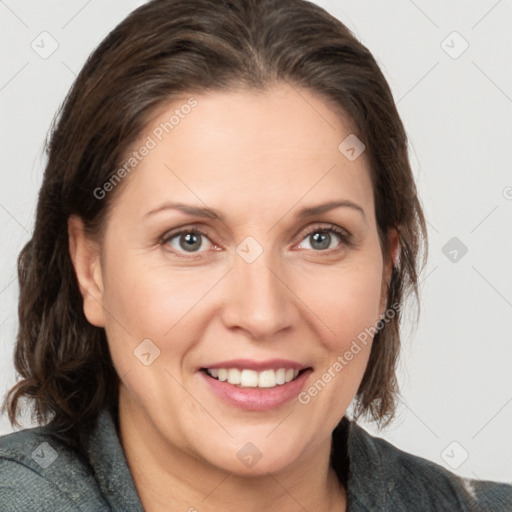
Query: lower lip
column 257, row 399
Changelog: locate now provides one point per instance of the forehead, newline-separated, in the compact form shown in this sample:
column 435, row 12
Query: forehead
column 248, row 151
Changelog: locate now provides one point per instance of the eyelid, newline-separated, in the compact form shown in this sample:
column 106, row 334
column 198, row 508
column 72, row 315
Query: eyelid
column 326, row 226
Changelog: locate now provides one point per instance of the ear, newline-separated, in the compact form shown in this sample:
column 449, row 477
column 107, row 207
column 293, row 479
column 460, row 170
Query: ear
column 85, row 255
column 390, row 262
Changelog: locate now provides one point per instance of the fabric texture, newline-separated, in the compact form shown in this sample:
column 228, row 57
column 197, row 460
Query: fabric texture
column 38, row 472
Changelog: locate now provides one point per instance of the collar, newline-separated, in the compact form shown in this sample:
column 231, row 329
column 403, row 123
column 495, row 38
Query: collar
column 107, row 458
column 369, row 485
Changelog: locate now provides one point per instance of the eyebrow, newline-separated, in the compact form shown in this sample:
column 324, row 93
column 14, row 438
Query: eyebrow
column 214, row 215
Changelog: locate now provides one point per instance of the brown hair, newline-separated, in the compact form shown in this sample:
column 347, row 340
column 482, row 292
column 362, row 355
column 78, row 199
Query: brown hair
column 161, row 50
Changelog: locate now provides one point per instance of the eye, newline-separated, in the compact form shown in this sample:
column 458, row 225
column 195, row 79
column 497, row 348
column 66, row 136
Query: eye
column 190, row 240
column 186, row 241
column 321, row 238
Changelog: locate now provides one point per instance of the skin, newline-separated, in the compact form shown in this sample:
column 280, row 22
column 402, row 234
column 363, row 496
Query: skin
column 257, row 158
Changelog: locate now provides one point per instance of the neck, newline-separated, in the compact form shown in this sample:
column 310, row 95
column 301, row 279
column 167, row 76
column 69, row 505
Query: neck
column 168, row 477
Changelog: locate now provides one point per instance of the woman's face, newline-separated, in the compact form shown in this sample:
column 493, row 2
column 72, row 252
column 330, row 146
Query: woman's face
column 253, row 283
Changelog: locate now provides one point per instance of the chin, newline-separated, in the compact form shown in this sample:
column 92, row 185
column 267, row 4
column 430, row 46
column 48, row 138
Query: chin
column 256, row 458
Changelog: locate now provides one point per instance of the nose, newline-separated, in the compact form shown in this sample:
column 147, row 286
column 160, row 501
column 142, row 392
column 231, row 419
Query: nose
column 258, row 299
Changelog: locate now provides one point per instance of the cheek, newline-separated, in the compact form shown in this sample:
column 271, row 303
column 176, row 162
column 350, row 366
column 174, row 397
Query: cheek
column 345, row 298
column 152, row 301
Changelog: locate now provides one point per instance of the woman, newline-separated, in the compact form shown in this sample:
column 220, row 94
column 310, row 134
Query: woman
column 226, row 232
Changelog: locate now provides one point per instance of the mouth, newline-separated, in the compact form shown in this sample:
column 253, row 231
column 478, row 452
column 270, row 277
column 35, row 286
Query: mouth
column 259, row 390
column 248, row 378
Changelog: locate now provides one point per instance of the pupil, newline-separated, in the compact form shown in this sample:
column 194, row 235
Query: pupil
column 324, row 239
column 190, row 240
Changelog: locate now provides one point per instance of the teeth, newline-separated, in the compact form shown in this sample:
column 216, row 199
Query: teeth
column 267, row 379
column 281, row 376
column 234, row 376
column 248, row 378
column 252, row 378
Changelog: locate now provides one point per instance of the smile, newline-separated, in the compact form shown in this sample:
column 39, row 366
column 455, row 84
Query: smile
column 254, row 390
column 247, row 378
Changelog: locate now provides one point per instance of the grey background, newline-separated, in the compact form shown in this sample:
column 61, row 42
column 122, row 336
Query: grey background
column 455, row 370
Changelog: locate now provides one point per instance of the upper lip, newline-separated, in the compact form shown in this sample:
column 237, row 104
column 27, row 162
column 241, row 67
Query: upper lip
column 259, row 366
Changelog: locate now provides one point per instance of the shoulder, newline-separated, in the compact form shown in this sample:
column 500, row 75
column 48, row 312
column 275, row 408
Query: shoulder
column 40, row 472
column 410, row 482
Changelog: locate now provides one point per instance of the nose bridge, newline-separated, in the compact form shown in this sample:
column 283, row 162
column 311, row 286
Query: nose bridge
column 259, row 300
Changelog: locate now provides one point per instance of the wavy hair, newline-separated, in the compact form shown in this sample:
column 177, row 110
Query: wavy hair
column 161, row 50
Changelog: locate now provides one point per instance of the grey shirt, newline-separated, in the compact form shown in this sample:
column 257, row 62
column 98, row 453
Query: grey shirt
column 38, row 472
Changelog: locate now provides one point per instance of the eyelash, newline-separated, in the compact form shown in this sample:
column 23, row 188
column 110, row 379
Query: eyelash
column 345, row 237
